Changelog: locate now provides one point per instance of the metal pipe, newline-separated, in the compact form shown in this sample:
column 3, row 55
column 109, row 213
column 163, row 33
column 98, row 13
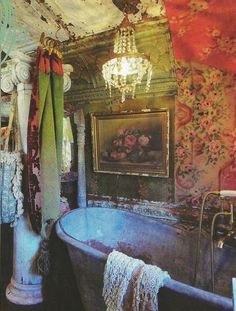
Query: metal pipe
column 200, row 232
column 212, row 253
column 234, row 292
column 223, row 195
column 232, row 214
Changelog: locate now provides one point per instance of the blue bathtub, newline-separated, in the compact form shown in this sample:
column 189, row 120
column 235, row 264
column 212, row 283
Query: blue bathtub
column 91, row 233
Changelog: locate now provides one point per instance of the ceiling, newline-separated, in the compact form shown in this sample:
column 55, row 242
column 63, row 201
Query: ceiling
column 200, row 32
column 87, row 27
column 64, row 19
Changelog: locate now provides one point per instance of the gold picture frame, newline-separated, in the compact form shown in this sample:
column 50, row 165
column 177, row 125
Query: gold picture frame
column 131, row 143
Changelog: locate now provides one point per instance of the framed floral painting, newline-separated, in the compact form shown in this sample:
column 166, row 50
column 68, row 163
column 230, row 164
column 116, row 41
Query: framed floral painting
column 134, row 143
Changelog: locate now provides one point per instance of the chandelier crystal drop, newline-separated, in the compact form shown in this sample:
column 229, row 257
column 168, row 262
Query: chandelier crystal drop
column 127, row 66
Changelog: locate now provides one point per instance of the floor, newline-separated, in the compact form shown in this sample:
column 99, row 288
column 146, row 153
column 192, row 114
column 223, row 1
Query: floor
column 59, row 287
column 7, row 306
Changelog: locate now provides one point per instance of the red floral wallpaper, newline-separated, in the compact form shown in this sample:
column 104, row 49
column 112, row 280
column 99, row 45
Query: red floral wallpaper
column 205, row 150
column 204, row 31
column 203, row 36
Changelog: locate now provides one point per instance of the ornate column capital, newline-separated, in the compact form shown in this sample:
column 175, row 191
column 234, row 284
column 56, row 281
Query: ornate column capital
column 7, row 84
column 17, row 70
column 67, row 68
column 22, row 65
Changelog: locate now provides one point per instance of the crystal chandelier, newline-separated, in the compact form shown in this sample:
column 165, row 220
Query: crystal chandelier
column 127, row 66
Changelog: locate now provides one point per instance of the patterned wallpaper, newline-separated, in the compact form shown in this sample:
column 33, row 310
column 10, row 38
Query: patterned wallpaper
column 203, row 31
column 205, row 129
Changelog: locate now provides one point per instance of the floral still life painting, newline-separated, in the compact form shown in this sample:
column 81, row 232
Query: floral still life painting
column 131, row 143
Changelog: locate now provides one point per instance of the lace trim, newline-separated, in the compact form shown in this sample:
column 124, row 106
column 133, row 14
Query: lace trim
column 17, row 184
column 9, row 157
column 14, row 158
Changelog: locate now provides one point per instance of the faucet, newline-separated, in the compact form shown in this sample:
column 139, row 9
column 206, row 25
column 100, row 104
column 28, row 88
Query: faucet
column 231, row 230
column 229, row 236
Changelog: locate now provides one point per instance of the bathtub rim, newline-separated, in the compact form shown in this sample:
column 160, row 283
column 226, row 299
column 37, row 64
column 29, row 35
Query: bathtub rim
column 89, row 249
column 173, row 285
column 65, row 237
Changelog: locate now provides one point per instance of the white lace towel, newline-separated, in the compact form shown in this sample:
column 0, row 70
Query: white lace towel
column 149, row 281
column 122, row 271
column 117, row 277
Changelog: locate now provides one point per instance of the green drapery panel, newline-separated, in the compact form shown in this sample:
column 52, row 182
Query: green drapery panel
column 51, row 127
column 44, row 155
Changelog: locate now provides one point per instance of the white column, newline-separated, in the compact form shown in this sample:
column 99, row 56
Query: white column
column 25, row 287
column 24, row 91
column 17, row 73
column 81, row 185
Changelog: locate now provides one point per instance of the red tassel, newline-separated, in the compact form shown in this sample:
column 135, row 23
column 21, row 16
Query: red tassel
column 56, row 65
column 44, row 61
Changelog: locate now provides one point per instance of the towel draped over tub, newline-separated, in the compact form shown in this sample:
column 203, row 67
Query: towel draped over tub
column 130, row 284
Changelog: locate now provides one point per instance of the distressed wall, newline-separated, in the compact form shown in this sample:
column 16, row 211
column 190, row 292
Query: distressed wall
column 88, row 92
column 131, row 187
column 203, row 118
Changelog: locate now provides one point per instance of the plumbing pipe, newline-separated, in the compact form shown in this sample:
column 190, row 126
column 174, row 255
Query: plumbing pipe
column 234, row 292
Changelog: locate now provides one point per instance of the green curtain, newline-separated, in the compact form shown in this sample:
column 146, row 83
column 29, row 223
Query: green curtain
column 51, row 131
